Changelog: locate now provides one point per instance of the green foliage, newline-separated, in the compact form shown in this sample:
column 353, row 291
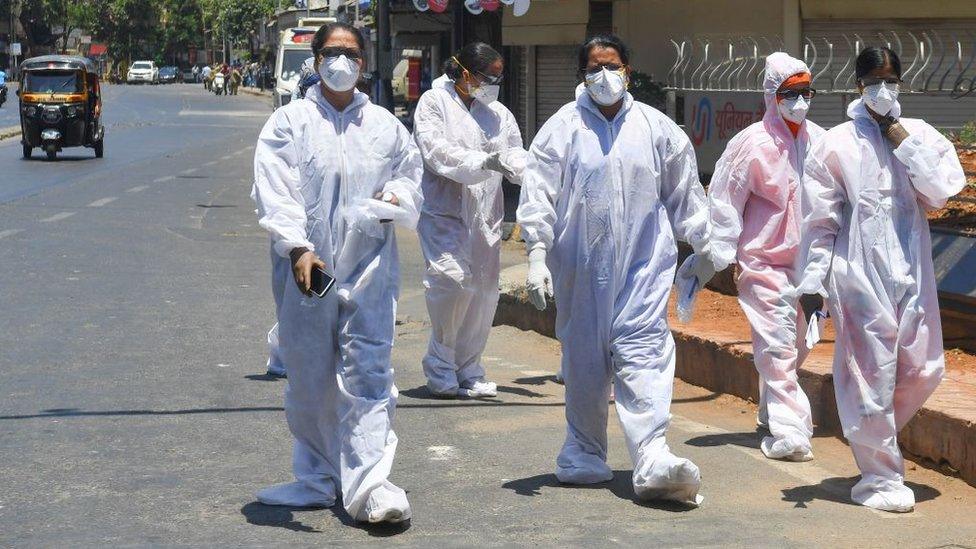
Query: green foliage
column 647, row 91
column 967, row 135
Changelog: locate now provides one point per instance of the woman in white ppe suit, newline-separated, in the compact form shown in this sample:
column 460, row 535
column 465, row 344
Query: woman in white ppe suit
column 869, row 183
column 330, row 171
column 607, row 182
column 468, row 141
column 754, row 200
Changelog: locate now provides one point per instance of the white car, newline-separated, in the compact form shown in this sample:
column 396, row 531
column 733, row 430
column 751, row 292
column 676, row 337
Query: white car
column 143, row 71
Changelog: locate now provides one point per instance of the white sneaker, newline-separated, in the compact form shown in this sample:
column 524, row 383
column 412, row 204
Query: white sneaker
column 785, row 449
column 387, row 503
column 478, row 388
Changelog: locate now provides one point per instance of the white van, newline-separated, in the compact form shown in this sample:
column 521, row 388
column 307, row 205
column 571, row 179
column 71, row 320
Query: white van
column 294, row 48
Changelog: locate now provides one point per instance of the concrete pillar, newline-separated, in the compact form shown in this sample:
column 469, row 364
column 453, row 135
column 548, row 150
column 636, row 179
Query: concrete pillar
column 792, row 28
column 530, row 93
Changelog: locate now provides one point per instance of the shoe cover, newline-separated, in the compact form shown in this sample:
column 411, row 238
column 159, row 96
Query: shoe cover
column 585, row 469
column 298, row 494
column 786, row 448
column 883, row 494
column 441, row 394
column 277, row 370
column 666, row 476
column 387, row 503
column 478, row 388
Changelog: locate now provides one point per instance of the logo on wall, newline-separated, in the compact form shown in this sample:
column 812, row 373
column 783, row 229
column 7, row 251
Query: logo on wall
column 701, row 121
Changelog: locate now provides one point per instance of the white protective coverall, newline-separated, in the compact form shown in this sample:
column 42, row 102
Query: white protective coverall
column 280, row 277
column 460, row 226
column 316, row 171
column 602, row 198
column 754, row 198
column 868, row 249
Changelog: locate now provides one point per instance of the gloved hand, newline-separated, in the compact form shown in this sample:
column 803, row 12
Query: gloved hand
column 703, row 268
column 539, row 281
column 811, row 303
column 495, row 163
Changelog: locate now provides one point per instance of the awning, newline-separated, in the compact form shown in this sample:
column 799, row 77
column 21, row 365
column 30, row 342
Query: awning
column 97, row 49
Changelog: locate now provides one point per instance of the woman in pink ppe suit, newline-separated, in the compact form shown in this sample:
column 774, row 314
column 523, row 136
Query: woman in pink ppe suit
column 754, row 205
column 866, row 246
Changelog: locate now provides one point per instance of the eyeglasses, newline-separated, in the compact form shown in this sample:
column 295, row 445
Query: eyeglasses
column 874, row 81
column 336, row 51
column 612, row 67
column 489, row 79
column 807, row 93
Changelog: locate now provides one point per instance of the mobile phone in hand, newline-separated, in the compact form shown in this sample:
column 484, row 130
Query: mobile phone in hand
column 322, row 282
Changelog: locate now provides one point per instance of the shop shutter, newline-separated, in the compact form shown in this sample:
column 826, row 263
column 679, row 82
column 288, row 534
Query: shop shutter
column 555, row 80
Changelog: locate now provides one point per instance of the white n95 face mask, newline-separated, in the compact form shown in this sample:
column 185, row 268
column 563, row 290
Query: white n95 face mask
column 485, row 94
column 339, row 73
column 794, row 110
column 606, row 87
column 880, row 97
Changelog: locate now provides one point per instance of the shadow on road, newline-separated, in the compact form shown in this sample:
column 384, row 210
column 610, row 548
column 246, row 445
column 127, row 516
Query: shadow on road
column 621, row 486
column 264, row 377
column 838, row 490
column 747, row 440
column 703, row 398
column 535, row 380
column 277, row 516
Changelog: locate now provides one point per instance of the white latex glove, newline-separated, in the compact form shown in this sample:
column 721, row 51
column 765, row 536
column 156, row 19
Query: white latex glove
column 539, row 281
column 495, row 163
column 703, row 268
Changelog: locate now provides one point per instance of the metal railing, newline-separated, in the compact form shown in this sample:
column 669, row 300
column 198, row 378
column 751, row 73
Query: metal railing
column 932, row 61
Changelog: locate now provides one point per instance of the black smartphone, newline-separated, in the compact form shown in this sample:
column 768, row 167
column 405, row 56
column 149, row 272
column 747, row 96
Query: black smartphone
column 321, row 282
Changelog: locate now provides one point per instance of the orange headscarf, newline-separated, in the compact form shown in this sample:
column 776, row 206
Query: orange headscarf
column 800, row 78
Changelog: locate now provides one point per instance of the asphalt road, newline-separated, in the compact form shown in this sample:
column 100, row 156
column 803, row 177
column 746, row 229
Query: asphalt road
column 134, row 411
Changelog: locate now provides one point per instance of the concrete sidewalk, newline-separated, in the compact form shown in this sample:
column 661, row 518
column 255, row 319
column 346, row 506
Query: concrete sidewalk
column 718, row 357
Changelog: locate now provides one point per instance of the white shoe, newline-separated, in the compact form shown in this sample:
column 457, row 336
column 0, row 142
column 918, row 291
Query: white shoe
column 668, row 477
column 478, row 388
column 387, row 503
column 785, row 449
column 295, row 494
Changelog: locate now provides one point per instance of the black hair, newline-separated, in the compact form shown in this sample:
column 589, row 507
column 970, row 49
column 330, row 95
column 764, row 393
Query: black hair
column 476, row 57
column 602, row 41
column 325, row 31
column 876, row 57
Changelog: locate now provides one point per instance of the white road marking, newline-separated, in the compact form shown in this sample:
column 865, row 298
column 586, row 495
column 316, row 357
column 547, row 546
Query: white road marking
column 534, row 373
column 57, row 217
column 226, row 157
column 164, row 178
column 103, row 201
column 226, row 114
column 211, row 163
column 187, row 172
column 442, row 453
column 10, row 232
column 138, row 189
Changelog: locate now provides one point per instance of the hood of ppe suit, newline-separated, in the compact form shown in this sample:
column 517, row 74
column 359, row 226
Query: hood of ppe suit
column 857, row 109
column 779, row 67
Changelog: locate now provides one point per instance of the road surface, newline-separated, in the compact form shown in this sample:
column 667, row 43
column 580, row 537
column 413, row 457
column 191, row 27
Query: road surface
column 134, row 410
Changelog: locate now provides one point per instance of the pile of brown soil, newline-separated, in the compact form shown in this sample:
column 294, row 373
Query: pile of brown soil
column 960, row 213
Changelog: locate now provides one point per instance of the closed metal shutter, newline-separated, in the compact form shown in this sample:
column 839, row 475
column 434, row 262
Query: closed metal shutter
column 555, row 80
column 931, row 95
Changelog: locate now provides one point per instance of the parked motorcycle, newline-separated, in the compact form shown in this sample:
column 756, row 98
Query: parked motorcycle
column 218, row 83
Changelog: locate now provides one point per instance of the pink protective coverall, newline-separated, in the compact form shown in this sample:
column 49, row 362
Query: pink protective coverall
column 754, row 205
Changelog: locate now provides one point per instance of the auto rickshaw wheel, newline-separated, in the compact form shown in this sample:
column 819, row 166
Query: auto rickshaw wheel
column 52, row 152
column 100, row 148
column 27, row 150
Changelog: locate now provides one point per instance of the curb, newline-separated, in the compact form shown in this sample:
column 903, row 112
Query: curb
column 941, row 436
column 7, row 133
